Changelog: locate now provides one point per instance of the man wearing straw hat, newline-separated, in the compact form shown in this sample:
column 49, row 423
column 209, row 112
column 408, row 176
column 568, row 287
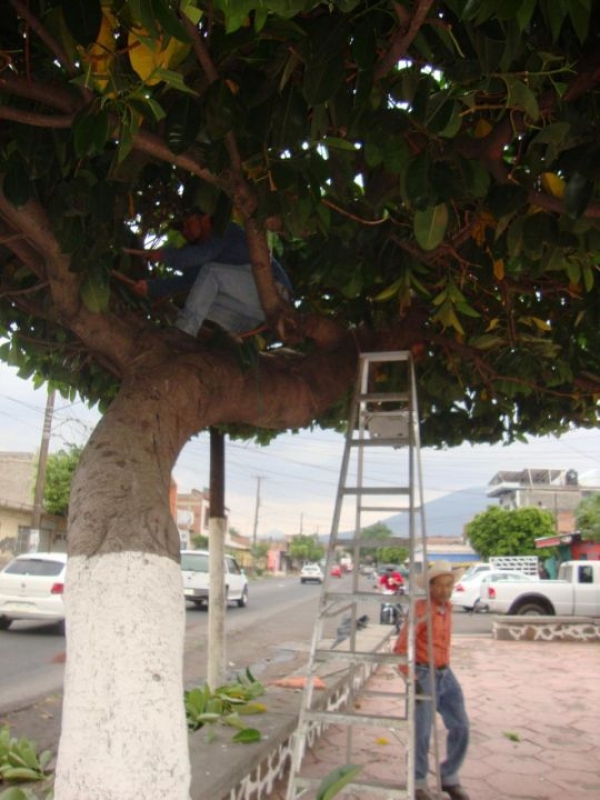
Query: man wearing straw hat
column 440, row 579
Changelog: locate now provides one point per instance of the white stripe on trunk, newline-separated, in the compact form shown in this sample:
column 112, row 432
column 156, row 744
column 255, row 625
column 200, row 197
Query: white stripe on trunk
column 123, row 730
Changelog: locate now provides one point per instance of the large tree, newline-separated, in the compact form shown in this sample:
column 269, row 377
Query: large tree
column 587, row 517
column 509, row 532
column 427, row 171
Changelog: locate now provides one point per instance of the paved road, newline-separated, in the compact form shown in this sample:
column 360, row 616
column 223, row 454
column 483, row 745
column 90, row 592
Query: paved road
column 270, row 635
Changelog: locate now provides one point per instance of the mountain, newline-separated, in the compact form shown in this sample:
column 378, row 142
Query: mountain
column 446, row 516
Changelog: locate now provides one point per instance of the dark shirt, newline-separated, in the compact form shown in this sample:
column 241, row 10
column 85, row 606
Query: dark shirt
column 230, row 248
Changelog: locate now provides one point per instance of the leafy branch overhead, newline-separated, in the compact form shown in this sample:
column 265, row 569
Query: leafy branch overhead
column 426, row 171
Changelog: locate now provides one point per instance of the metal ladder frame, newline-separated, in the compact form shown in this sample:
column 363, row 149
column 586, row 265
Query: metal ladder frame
column 359, row 420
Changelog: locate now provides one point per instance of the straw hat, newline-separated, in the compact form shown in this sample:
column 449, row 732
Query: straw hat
column 437, row 568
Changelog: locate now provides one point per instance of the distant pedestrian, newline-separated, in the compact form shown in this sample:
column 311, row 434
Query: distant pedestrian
column 439, row 579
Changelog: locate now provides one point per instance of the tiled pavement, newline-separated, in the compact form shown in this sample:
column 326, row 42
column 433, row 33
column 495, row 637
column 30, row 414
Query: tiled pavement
column 535, row 723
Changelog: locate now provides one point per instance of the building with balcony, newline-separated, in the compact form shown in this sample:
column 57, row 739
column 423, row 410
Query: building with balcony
column 556, row 490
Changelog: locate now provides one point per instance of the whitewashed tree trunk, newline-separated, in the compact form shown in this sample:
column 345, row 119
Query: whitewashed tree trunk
column 124, row 731
column 217, row 605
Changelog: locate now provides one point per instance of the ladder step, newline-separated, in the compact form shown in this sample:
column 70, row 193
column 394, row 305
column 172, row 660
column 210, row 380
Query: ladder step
column 345, row 596
column 386, row 789
column 359, row 657
column 384, row 397
column 376, row 490
column 351, row 718
column 385, row 356
column 395, row 442
column 390, row 541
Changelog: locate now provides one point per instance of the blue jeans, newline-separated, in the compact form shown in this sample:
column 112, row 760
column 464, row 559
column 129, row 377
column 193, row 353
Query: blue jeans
column 225, row 294
column 451, row 705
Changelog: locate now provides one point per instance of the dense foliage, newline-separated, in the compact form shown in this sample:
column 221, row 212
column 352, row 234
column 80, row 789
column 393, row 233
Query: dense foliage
column 426, row 170
column 60, row 469
column 502, row 532
column 306, row 548
column 587, row 518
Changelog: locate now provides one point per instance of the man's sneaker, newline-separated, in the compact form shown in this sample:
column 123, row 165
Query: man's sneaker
column 423, row 794
column 455, row 792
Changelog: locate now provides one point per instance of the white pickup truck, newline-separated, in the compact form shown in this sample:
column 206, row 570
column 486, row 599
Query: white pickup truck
column 575, row 593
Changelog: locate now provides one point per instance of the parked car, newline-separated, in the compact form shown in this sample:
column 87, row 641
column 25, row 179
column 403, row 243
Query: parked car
column 311, row 573
column 576, row 592
column 467, row 592
column 336, row 571
column 195, row 572
column 31, row 588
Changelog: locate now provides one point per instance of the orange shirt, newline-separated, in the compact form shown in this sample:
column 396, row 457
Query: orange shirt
column 441, row 629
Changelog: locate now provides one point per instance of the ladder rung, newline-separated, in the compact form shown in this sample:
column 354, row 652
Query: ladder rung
column 345, row 596
column 386, row 788
column 359, row 657
column 397, row 442
column 345, row 718
column 375, row 490
column 391, row 541
column 385, row 356
column 394, row 509
column 384, row 397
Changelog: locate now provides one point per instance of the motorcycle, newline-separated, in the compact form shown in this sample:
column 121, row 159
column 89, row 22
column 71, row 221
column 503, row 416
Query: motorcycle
column 391, row 611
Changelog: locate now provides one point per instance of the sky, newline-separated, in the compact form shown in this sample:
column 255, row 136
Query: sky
column 291, row 485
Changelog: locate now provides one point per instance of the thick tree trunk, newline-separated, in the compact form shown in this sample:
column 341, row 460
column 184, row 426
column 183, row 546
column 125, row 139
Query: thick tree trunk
column 124, row 732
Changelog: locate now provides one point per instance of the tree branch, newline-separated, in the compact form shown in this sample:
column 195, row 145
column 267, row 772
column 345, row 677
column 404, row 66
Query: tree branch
column 404, row 37
column 22, row 9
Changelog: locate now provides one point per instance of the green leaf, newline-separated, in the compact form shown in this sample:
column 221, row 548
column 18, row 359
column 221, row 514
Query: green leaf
column 83, row 19
column 14, row 794
column 578, row 194
column 183, row 123
column 219, row 109
column 90, row 133
column 417, row 181
column 247, row 735
column 520, row 96
column 95, row 290
column 169, row 21
column 524, row 13
column 430, row 226
column 143, row 13
column 335, row 781
column 322, row 79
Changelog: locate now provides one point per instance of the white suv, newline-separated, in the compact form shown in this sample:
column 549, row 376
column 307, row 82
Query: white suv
column 311, row 572
column 195, row 572
column 31, row 588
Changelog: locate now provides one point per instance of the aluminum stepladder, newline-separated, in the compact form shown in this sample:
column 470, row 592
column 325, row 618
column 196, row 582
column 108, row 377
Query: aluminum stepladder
column 383, row 417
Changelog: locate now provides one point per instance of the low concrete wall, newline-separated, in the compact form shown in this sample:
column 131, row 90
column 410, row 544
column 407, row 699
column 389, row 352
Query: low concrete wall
column 224, row 770
column 546, row 629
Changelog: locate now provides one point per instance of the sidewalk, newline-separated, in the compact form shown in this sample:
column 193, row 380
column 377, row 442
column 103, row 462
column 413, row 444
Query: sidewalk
column 535, row 733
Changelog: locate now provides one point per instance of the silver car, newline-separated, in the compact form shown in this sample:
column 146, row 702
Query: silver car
column 31, row 588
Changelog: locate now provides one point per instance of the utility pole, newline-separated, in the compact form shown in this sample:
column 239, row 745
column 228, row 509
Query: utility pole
column 256, row 507
column 36, row 514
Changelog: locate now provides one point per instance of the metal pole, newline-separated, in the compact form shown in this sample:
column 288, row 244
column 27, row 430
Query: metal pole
column 36, row 514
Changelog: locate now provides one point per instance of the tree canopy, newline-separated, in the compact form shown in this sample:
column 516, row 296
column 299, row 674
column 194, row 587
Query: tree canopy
column 503, row 532
column 427, row 172
column 60, row 469
column 587, row 517
column 306, row 547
